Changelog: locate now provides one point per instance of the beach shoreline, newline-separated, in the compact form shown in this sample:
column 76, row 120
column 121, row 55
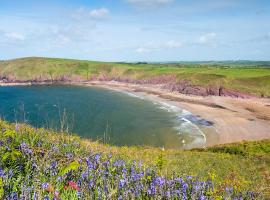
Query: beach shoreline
column 234, row 119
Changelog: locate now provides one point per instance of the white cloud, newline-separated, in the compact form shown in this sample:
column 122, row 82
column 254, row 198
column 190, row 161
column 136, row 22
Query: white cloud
column 99, row 13
column 14, row 36
column 95, row 14
column 149, row 3
column 207, row 38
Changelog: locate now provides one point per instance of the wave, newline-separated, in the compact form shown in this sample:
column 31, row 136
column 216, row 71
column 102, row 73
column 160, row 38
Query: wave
column 186, row 123
column 129, row 93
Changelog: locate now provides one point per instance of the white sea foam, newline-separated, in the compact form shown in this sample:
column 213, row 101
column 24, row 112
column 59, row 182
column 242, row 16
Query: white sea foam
column 130, row 94
column 134, row 95
column 183, row 125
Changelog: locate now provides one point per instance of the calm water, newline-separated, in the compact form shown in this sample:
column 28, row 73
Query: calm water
column 92, row 113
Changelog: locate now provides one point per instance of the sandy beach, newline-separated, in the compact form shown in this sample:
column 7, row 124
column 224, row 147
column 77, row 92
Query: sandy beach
column 234, row 119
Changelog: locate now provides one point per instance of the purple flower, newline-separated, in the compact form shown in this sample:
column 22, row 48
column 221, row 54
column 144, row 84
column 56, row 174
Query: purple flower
column 23, row 145
column 84, row 175
column 122, row 182
column 46, row 198
column 119, row 163
column 69, row 155
column 91, row 184
column 45, row 185
column 120, row 198
column 159, row 181
column 13, row 196
column 35, row 197
column 54, row 165
column 2, row 173
column 202, row 197
column 168, row 194
column 55, row 149
column 184, row 186
column 97, row 157
column 59, row 178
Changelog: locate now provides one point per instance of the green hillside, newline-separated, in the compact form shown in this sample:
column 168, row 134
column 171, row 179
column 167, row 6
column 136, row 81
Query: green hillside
column 42, row 164
column 243, row 76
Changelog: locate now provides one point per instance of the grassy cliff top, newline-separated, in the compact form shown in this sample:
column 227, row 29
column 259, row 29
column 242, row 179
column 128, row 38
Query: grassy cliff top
column 43, row 163
column 250, row 77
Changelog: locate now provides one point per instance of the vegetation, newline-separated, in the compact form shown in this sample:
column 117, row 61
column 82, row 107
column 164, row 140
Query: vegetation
column 244, row 76
column 39, row 163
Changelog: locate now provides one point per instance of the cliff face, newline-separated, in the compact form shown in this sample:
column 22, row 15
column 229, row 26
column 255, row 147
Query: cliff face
column 168, row 82
column 187, row 88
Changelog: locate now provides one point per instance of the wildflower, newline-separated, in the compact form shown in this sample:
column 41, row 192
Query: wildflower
column 90, row 184
column 149, row 191
column 13, row 196
column 159, row 181
column 78, row 194
column 23, row 145
column 46, row 198
column 56, row 195
column 120, row 198
column 69, row 155
column 45, row 185
column 122, row 183
column 17, row 127
column 35, row 197
column 168, row 195
column 2, row 173
column 84, row 175
column 54, row 165
column 34, row 165
column 59, row 178
column 202, row 197
column 73, row 185
column 97, row 157
column 55, row 149
column 29, row 151
column 119, row 163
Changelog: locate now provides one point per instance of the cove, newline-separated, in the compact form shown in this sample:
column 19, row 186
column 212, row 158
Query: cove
column 114, row 117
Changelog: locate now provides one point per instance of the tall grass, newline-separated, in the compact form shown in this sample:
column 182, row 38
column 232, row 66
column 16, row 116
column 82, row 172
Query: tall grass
column 42, row 164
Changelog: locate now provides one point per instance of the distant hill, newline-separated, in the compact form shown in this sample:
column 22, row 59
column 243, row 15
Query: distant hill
column 244, row 76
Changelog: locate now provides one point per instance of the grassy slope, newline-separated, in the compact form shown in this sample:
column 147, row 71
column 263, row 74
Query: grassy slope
column 225, row 165
column 242, row 77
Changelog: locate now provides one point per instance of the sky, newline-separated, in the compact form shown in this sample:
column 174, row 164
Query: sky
column 136, row 30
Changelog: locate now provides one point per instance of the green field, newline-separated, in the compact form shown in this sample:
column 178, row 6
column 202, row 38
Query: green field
column 240, row 166
column 250, row 77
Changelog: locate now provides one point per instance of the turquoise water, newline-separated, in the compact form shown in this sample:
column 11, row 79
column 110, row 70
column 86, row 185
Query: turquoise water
column 99, row 114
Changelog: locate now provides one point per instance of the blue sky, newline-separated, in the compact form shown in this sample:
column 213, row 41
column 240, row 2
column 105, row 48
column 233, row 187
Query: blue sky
column 136, row 30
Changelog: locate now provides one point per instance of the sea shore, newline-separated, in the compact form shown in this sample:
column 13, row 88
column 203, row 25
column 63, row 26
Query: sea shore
column 233, row 119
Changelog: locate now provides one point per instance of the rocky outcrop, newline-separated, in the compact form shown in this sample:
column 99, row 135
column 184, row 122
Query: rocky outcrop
column 168, row 82
column 186, row 87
